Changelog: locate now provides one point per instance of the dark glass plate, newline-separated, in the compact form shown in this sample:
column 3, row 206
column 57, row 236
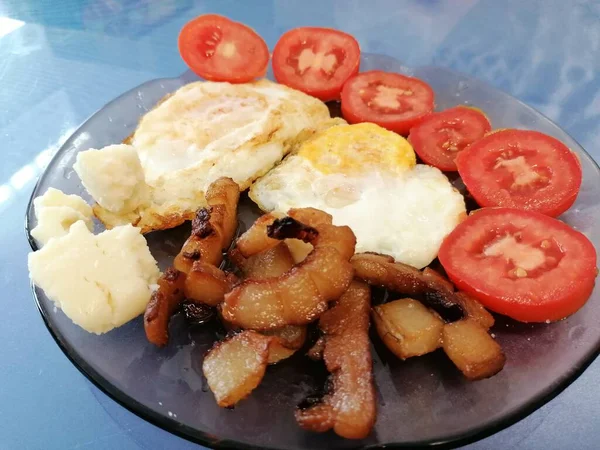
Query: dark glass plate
column 423, row 401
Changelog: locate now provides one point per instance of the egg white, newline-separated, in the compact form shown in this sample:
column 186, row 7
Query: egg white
column 405, row 215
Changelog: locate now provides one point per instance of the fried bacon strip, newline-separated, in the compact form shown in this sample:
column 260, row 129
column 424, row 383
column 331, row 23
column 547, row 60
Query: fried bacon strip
column 235, row 366
column 213, row 227
column 273, row 262
column 207, row 284
column 382, row 270
column 255, row 239
column 472, row 350
column 269, row 263
column 162, row 305
column 301, row 294
column 195, row 275
column 408, row 328
column 349, row 409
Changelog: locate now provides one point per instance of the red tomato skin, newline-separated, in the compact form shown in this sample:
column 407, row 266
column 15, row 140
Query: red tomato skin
column 561, row 198
column 556, row 303
column 479, row 125
column 352, row 114
column 331, row 91
column 256, row 68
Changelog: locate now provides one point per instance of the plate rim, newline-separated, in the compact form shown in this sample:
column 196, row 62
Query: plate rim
column 205, row 438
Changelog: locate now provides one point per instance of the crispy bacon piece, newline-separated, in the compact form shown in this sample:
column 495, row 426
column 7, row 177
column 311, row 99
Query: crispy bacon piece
column 434, row 289
column 273, row 262
column 470, row 307
column 207, row 284
column 349, row 408
column 408, row 328
column 301, row 294
column 163, row 303
column 269, row 263
column 255, row 239
column 466, row 341
column 212, row 231
column 235, row 366
column 213, row 227
column 472, row 350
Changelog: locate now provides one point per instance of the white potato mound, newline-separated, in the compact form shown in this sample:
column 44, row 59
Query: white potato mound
column 204, row 131
column 405, row 215
column 56, row 211
column 114, row 177
column 99, row 281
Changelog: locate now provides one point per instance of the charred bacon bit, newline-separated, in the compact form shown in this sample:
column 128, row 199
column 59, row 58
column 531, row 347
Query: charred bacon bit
column 201, row 226
column 197, row 313
column 162, row 305
column 349, row 406
column 289, row 228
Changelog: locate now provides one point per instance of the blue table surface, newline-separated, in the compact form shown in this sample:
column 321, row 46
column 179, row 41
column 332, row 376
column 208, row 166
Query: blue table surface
column 62, row 60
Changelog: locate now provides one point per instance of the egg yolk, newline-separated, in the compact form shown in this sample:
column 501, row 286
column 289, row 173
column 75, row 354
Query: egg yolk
column 352, row 149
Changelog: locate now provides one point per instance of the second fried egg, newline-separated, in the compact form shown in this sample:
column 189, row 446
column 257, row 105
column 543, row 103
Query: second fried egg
column 367, row 178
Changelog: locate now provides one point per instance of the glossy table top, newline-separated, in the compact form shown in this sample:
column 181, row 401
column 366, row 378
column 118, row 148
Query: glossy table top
column 62, row 60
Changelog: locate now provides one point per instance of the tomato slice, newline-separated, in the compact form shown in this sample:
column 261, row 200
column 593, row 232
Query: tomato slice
column 219, row 49
column 441, row 136
column 521, row 169
column 317, row 61
column 523, row 264
column 391, row 100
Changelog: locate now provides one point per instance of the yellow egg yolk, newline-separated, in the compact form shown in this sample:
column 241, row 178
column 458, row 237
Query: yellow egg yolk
column 353, row 149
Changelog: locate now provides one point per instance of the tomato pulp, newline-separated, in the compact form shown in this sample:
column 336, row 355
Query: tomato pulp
column 219, row 49
column 442, row 135
column 523, row 264
column 391, row 100
column 521, row 169
column 317, row 61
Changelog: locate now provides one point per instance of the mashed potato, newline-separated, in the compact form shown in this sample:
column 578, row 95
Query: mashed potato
column 99, row 281
column 56, row 211
column 113, row 177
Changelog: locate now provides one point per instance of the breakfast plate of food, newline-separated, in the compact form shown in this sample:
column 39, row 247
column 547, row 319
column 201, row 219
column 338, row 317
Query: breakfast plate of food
column 316, row 247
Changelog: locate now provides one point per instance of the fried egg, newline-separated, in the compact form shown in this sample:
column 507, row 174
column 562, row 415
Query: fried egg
column 367, row 178
column 204, row 131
